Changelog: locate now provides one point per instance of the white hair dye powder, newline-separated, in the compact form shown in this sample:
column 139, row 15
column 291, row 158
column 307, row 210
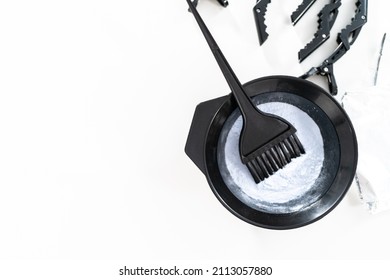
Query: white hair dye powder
column 290, row 188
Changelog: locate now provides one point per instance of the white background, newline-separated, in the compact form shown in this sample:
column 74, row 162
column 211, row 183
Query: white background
column 96, row 100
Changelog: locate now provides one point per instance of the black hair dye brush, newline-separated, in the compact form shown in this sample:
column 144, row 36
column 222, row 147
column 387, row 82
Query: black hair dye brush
column 267, row 142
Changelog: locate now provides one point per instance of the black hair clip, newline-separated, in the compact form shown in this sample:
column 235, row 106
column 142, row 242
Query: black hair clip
column 326, row 19
column 345, row 39
column 301, row 10
column 224, row 3
column 259, row 11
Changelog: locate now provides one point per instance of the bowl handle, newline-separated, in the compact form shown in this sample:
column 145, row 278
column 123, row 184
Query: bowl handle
column 204, row 114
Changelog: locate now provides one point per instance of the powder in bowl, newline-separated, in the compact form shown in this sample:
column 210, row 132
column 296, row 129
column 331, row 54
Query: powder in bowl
column 289, row 189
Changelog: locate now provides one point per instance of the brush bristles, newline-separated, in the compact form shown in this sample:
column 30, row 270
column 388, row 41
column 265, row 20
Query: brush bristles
column 266, row 163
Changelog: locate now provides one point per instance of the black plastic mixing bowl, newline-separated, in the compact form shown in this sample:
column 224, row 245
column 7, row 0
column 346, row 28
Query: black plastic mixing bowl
column 340, row 149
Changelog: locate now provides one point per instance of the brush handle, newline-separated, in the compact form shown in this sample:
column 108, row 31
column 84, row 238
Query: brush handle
column 244, row 103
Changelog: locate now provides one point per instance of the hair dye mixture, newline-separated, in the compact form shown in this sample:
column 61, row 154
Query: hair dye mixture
column 289, row 189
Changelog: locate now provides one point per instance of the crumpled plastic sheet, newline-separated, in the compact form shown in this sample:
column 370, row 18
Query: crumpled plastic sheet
column 369, row 111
